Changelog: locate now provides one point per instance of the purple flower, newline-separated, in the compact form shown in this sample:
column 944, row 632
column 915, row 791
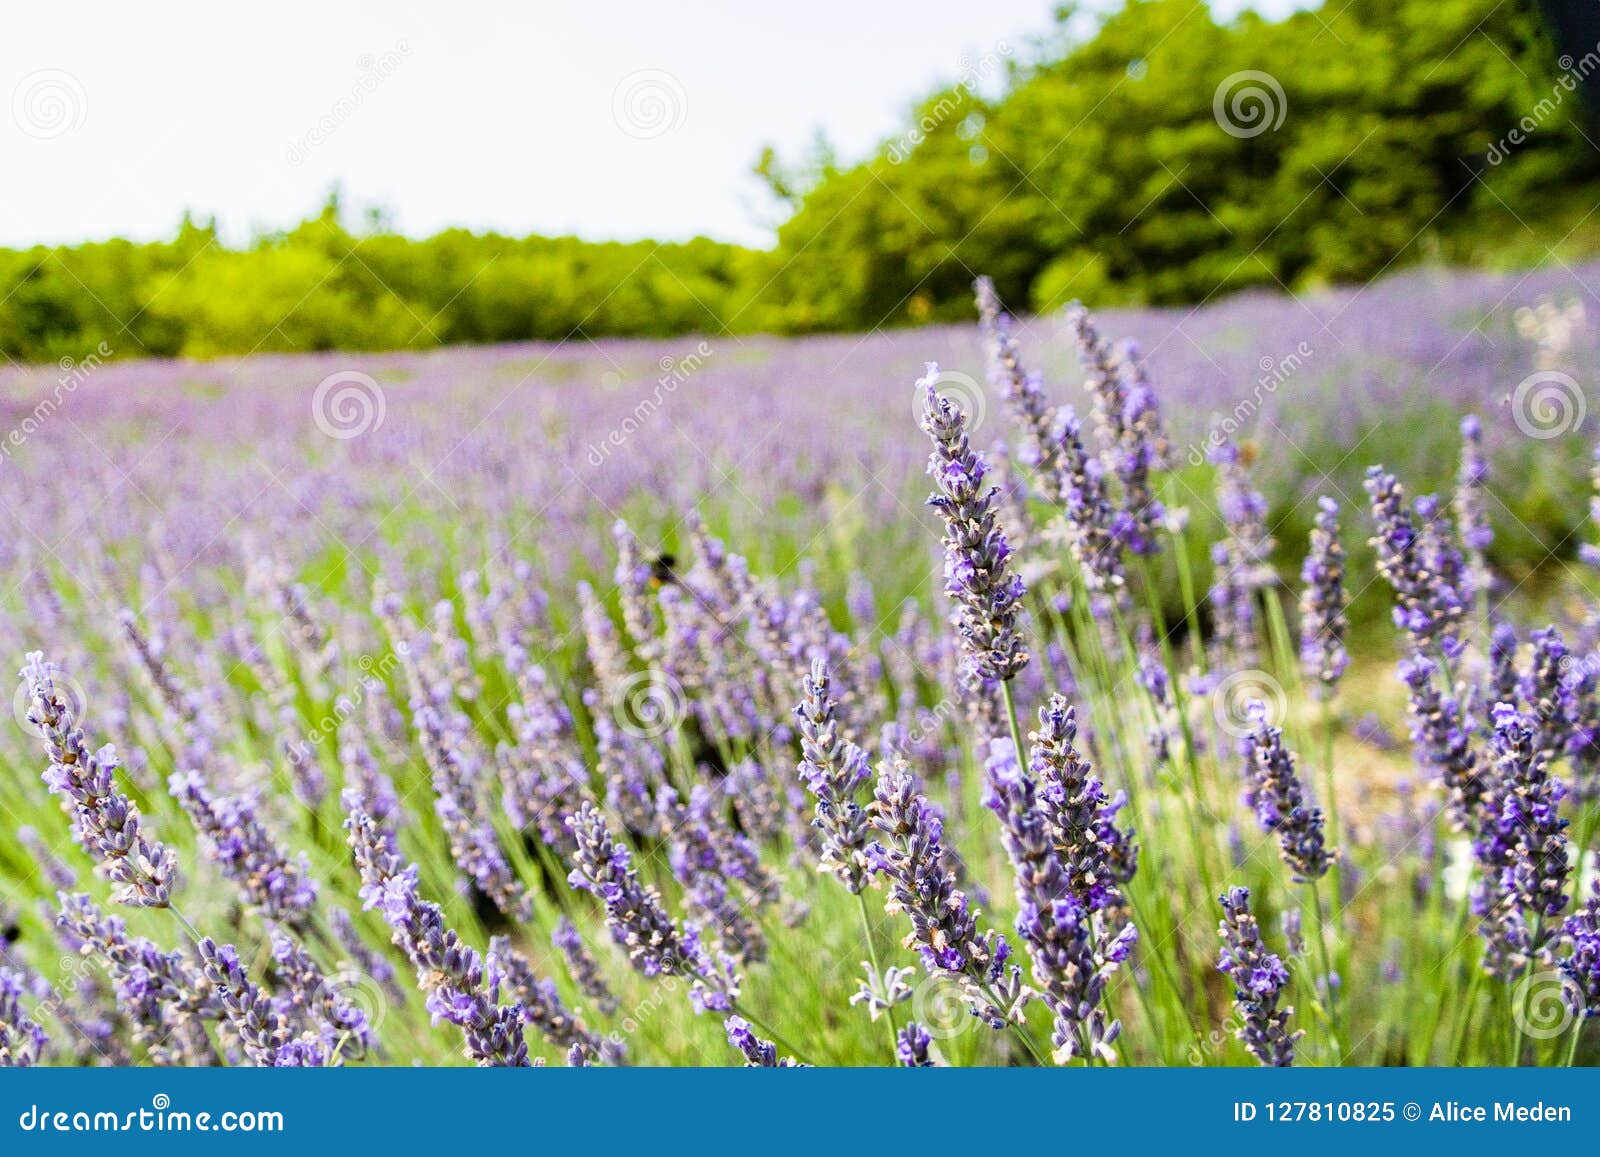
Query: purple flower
column 1022, row 392
column 638, row 919
column 1322, row 603
column 107, row 823
column 833, row 770
column 1521, row 848
column 236, row 840
column 1581, row 967
column 1419, row 560
column 1442, row 738
column 449, row 970
column 1074, row 954
column 21, row 1040
column 978, row 575
column 582, row 967
column 912, row 1047
column 1096, row 854
column 922, row 885
column 1274, row 792
column 1259, row 978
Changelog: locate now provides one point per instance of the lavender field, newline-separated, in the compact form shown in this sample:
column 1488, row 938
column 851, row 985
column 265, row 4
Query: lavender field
column 1213, row 687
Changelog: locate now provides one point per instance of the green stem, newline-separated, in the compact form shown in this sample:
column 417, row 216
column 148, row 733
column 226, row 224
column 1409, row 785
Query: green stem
column 877, row 971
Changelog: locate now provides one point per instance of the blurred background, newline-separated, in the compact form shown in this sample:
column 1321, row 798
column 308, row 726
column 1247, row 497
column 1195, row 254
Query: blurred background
column 402, row 181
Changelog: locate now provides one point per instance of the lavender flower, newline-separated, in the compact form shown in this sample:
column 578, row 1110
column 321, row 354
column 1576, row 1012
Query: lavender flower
column 833, row 771
column 581, row 966
column 541, row 1004
column 978, row 576
column 1581, row 967
column 1548, row 692
column 758, row 1053
column 166, row 999
column 1095, row 854
column 449, row 971
column 1442, row 738
column 1259, row 978
column 1322, row 604
column 1277, row 797
column 1521, row 847
column 318, row 1002
column 1073, row 957
column 913, row 1047
column 1421, row 566
column 21, row 1040
column 638, row 919
column 922, row 885
column 235, row 839
column 260, row 1024
column 1242, row 560
column 106, row 822
column 1092, row 520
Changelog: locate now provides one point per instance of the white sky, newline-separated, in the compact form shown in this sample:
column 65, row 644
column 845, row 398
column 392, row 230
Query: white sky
column 119, row 116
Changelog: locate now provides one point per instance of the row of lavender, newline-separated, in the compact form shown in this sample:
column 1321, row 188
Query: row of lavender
column 726, row 840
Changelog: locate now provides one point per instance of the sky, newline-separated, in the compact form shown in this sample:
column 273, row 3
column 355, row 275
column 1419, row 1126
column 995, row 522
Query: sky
column 628, row 119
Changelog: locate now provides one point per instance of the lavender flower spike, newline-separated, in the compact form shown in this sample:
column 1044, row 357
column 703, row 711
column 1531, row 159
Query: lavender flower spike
column 582, row 967
column 944, row 930
column 978, row 575
column 913, row 1047
column 1442, row 738
column 450, row 971
column 107, row 822
column 639, row 920
column 833, row 770
column 1259, row 979
column 1275, row 794
column 21, row 1040
column 1322, row 603
column 263, row 1031
column 758, row 1053
column 1581, row 968
column 1095, row 854
column 1073, row 959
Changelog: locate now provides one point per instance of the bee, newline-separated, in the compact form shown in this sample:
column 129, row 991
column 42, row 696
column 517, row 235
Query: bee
column 662, row 570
